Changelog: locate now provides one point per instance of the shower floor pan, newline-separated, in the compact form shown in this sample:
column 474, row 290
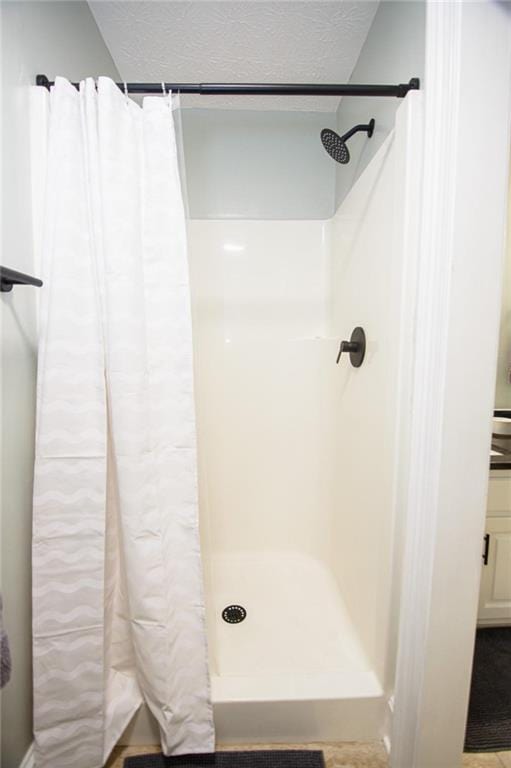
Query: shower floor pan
column 292, row 670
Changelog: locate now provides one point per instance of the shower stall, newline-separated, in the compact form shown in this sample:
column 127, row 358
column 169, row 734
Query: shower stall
column 300, row 457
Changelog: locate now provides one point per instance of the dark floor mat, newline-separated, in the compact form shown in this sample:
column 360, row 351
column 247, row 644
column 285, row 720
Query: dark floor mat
column 275, row 758
column 489, row 713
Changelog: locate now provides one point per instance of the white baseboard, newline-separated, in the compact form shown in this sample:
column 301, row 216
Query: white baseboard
column 28, row 760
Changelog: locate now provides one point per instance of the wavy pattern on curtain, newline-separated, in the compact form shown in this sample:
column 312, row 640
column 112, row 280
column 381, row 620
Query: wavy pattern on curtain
column 117, row 585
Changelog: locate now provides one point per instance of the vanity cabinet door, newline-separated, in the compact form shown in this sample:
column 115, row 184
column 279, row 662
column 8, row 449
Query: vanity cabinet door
column 495, row 594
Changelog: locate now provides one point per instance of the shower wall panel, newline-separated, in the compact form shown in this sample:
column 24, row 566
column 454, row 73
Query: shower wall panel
column 259, row 300
column 370, row 287
column 259, row 296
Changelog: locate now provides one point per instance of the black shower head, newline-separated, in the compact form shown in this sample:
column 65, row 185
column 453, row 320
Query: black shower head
column 335, row 145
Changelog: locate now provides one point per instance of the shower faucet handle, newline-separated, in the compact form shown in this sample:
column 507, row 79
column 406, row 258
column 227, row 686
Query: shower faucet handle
column 356, row 347
column 346, row 346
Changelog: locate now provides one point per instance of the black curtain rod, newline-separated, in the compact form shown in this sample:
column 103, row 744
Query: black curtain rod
column 264, row 89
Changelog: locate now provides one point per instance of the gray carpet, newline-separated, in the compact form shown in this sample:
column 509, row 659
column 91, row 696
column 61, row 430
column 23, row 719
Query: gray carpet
column 489, row 714
column 278, row 758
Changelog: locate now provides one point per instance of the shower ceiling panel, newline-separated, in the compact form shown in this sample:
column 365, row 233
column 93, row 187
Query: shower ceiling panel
column 237, row 41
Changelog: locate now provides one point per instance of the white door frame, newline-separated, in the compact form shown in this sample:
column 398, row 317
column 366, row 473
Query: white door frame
column 467, row 114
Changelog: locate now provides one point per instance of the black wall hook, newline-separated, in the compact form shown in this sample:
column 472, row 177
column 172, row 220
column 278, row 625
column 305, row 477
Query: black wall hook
column 10, row 277
column 356, row 346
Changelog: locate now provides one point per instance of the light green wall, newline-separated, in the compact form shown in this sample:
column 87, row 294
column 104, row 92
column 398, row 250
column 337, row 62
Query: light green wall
column 393, row 52
column 52, row 38
column 250, row 164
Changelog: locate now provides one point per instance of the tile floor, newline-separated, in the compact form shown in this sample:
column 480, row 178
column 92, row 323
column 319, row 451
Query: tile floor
column 487, row 760
column 345, row 755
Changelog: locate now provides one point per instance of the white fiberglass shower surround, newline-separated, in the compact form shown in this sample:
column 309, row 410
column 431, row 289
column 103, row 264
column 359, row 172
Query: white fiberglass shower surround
column 298, row 457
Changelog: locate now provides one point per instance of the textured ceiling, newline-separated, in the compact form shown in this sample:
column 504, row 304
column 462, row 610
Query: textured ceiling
column 237, row 41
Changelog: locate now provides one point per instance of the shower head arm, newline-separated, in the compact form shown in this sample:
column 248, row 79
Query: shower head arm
column 369, row 128
column 336, row 146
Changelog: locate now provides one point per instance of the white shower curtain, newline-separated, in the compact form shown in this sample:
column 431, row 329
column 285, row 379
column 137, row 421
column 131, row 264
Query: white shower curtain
column 118, row 610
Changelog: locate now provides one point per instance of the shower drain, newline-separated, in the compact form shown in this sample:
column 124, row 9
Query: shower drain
column 233, row 614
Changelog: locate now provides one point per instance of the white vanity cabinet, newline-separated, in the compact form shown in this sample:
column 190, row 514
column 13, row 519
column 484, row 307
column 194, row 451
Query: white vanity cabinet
column 495, row 594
